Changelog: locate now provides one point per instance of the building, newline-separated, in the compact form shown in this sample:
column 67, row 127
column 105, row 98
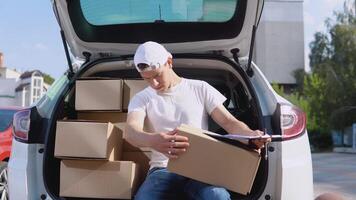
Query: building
column 8, row 82
column 279, row 45
column 30, row 88
column 20, row 89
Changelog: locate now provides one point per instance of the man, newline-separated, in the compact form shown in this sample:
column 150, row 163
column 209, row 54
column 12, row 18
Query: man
column 169, row 102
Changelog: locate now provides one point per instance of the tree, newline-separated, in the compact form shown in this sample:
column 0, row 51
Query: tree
column 299, row 75
column 319, row 50
column 48, row 79
column 331, row 87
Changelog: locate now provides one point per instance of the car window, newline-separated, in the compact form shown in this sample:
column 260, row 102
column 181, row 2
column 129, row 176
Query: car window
column 46, row 104
column 109, row 12
column 6, row 119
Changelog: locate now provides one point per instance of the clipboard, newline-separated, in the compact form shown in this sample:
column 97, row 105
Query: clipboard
column 242, row 141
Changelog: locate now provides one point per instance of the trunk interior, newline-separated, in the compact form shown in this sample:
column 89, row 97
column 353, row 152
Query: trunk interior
column 220, row 72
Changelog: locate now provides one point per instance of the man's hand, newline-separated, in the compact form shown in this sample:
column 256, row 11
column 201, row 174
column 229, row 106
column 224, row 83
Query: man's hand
column 258, row 143
column 170, row 144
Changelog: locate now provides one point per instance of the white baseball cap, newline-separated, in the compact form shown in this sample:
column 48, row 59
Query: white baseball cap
column 152, row 54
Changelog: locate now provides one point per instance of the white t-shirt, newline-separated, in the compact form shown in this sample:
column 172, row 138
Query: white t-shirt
column 189, row 102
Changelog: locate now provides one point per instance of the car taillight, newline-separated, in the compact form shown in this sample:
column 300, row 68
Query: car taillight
column 21, row 124
column 293, row 121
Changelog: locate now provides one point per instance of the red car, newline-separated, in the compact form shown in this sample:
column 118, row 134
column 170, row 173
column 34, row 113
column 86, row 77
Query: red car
column 6, row 115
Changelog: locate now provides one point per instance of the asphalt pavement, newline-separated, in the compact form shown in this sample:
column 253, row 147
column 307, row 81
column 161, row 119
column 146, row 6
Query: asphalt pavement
column 335, row 172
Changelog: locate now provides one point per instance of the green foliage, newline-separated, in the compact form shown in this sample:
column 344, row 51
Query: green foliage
column 328, row 93
column 320, row 141
column 48, row 79
column 299, row 100
column 299, row 75
column 316, row 94
column 331, row 87
column 319, row 49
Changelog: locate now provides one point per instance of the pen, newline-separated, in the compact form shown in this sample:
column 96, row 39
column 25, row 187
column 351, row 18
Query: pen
column 266, row 146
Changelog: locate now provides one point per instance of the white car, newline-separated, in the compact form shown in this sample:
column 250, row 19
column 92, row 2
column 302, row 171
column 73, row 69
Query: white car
column 210, row 40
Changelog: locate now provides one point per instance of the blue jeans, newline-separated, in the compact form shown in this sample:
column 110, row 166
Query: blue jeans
column 162, row 184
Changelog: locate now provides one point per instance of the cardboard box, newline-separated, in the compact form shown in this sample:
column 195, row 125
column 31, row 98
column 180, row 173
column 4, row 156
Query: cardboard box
column 88, row 139
column 142, row 159
column 96, row 94
column 214, row 162
column 98, row 179
column 131, row 87
column 118, row 119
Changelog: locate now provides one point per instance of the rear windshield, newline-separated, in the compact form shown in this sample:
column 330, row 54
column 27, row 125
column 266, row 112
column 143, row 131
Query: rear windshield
column 110, row 12
column 6, row 119
column 163, row 21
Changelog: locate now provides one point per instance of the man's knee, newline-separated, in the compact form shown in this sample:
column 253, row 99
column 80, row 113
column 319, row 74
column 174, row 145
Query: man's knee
column 199, row 190
column 213, row 192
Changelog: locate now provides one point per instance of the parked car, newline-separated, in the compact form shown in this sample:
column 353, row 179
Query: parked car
column 210, row 40
column 6, row 115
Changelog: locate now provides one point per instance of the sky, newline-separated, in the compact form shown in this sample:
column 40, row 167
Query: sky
column 30, row 38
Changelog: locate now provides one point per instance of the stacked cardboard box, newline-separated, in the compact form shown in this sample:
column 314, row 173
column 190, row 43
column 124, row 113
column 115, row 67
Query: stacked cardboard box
column 131, row 87
column 97, row 162
column 98, row 179
column 141, row 156
column 88, row 139
column 118, row 119
column 98, row 94
column 91, row 152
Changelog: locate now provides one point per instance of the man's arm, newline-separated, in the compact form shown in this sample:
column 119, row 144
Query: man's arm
column 234, row 126
column 134, row 130
column 169, row 143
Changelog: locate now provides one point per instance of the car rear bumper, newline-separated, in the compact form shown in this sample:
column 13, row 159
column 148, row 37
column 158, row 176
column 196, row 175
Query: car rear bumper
column 25, row 172
column 297, row 170
column 292, row 176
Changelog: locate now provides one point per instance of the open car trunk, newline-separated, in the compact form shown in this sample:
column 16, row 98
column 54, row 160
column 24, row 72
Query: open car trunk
column 219, row 71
